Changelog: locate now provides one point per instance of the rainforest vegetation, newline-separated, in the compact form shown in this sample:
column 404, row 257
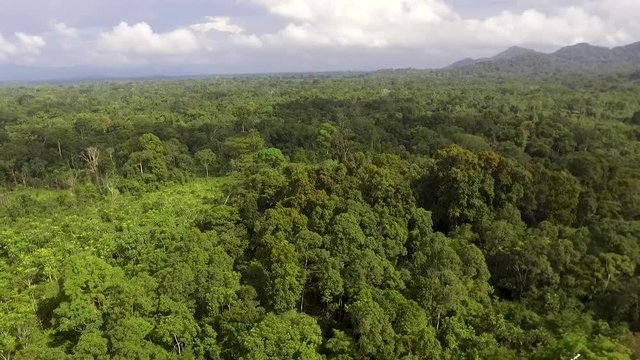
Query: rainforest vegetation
column 393, row 215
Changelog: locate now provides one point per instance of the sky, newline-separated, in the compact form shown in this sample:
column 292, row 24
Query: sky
column 254, row 36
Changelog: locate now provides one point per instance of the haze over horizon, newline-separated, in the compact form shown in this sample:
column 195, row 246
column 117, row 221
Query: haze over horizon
column 172, row 37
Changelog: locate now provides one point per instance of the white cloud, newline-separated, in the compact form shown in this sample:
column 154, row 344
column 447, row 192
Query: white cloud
column 369, row 23
column 359, row 13
column 60, row 28
column 591, row 21
column 232, row 34
column 30, row 44
column 22, row 47
column 433, row 24
column 624, row 13
column 6, row 48
column 220, row 24
column 356, row 33
column 567, row 26
column 242, row 40
column 140, row 39
column 202, row 43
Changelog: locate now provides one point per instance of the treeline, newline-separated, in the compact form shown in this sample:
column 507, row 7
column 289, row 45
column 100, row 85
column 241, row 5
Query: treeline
column 374, row 217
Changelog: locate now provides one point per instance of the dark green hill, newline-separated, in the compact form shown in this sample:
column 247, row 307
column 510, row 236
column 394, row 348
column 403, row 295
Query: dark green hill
column 585, row 54
column 572, row 59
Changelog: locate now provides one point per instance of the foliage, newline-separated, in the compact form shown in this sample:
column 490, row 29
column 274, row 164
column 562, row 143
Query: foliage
column 396, row 215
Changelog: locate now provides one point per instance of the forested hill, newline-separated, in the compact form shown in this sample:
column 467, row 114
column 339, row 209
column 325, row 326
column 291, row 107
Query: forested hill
column 573, row 59
column 397, row 216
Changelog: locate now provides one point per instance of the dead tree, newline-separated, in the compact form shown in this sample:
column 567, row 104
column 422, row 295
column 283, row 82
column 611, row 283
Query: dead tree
column 91, row 157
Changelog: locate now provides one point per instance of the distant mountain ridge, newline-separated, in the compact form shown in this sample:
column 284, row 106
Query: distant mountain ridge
column 574, row 58
column 510, row 53
column 514, row 61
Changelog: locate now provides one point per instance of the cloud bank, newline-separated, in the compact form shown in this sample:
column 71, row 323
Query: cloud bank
column 325, row 34
column 141, row 39
column 23, row 46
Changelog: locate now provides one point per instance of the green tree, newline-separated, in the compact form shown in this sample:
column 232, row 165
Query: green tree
column 290, row 335
column 149, row 162
column 460, row 187
column 285, row 277
column 372, row 327
column 206, row 158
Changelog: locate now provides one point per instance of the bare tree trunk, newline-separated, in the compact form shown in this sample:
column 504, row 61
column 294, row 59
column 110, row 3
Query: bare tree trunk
column 91, row 157
column 306, row 266
column 34, row 305
column 178, row 345
column 13, row 174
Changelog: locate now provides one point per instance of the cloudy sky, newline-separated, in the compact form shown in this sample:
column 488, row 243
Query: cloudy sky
column 223, row 36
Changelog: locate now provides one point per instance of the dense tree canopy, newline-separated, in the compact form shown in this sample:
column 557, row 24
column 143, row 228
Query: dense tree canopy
column 387, row 216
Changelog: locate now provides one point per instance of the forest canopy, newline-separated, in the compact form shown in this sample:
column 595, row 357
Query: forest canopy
column 394, row 215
